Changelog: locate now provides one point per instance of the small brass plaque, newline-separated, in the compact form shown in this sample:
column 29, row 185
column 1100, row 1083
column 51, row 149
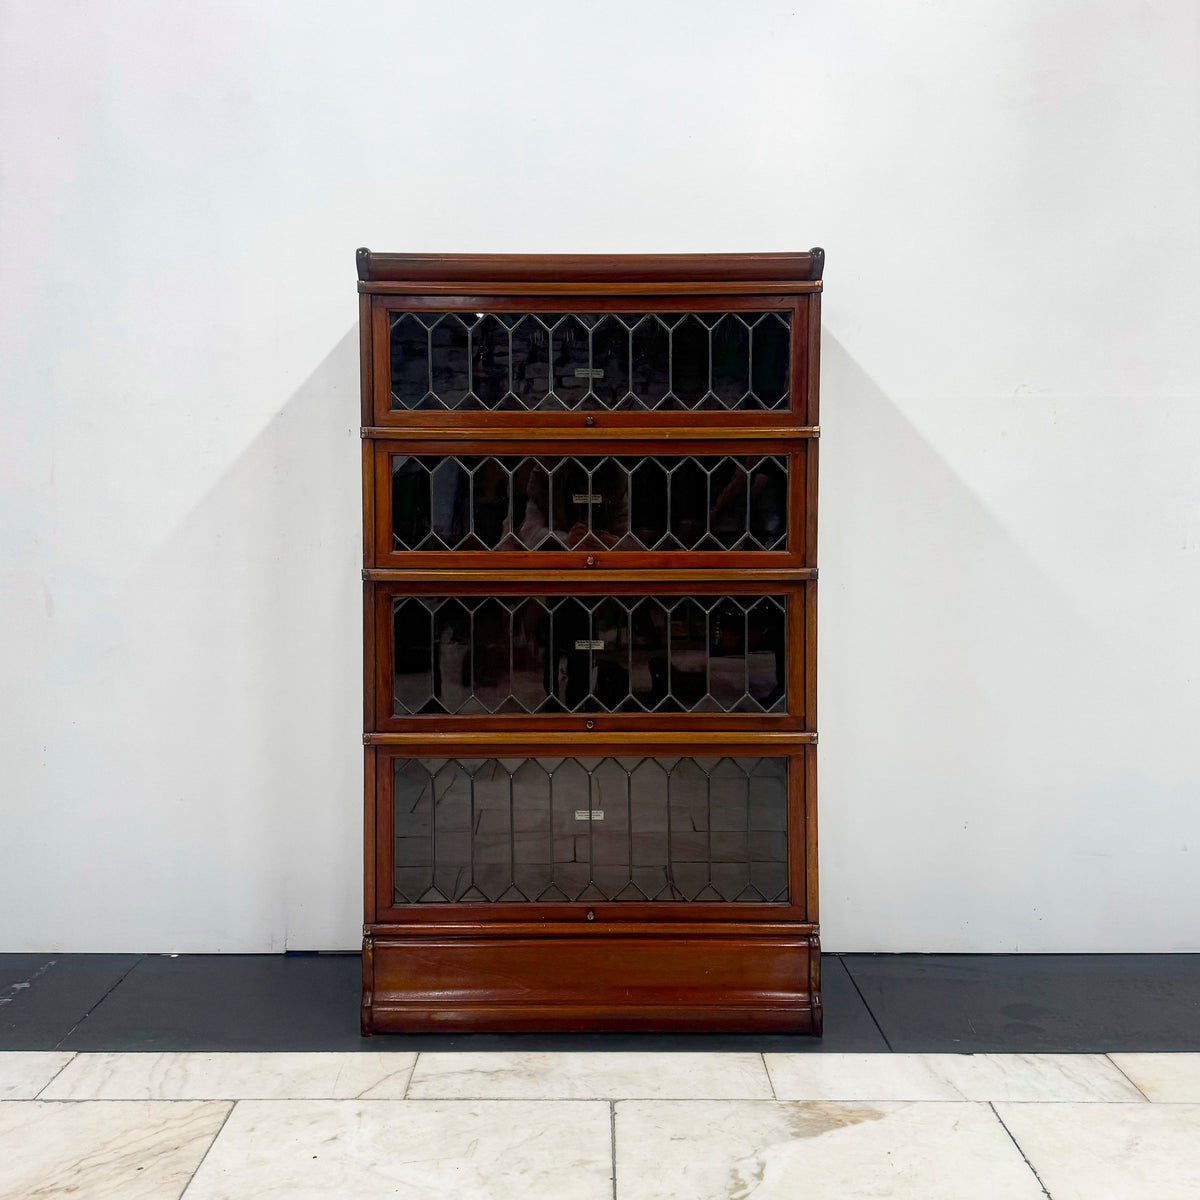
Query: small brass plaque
column 587, row 498
column 589, row 814
column 589, row 373
column 589, row 644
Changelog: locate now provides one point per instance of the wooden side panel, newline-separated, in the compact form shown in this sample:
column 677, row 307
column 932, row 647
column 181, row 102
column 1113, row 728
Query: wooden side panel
column 366, row 1018
column 814, row 985
column 688, row 980
column 810, row 833
column 813, row 361
column 370, row 795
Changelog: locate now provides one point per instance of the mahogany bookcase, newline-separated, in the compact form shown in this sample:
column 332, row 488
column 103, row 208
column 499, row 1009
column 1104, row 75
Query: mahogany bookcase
column 589, row 607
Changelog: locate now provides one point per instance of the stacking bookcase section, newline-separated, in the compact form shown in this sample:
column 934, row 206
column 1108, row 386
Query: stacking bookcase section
column 589, row 520
column 553, row 884
column 520, row 654
column 609, row 352
column 594, row 502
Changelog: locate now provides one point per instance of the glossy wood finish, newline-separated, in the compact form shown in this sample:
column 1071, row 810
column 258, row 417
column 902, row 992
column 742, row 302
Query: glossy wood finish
column 664, row 965
column 553, row 977
column 595, row 272
column 672, row 427
column 796, row 420
column 722, row 741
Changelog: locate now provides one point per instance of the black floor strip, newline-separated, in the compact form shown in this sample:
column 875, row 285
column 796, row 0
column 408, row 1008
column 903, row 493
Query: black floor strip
column 867, row 1006
column 100, row 1001
column 874, row 1003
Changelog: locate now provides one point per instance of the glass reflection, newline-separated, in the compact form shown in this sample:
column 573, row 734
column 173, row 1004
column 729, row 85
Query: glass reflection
column 578, row 829
column 557, row 654
column 589, row 503
column 544, row 361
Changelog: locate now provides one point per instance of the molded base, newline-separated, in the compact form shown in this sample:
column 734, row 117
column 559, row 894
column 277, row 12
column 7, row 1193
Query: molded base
column 742, row 979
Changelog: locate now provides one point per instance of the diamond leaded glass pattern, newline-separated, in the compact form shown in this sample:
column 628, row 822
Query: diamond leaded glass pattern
column 526, row 830
column 467, row 502
column 540, row 361
column 564, row 654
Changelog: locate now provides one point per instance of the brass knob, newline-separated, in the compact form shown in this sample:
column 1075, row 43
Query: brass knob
column 591, row 562
column 589, row 420
column 591, row 916
column 589, row 724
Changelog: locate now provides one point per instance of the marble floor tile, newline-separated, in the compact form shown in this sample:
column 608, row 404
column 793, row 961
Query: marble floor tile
column 236, row 1076
column 858, row 1077
column 1067, row 1078
column 549, row 1075
column 1110, row 1151
column 1026, row 1077
column 23, row 1073
column 1163, row 1078
column 731, row 1150
column 103, row 1150
column 409, row 1150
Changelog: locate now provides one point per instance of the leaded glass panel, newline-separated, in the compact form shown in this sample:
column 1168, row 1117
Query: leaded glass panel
column 563, row 654
column 547, row 361
column 578, row 829
column 470, row 502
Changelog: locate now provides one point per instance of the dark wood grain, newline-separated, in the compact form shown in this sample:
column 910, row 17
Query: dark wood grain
column 370, row 796
column 810, row 830
column 490, row 288
column 812, row 377
column 673, row 271
column 737, row 580
column 441, row 743
column 621, row 979
column 614, row 965
column 590, row 301
column 455, row 427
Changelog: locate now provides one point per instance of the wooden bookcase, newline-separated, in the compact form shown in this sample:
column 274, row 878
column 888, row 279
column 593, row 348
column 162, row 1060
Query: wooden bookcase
column 589, row 607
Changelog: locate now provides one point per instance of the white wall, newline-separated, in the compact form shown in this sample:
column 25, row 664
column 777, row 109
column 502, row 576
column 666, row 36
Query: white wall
column 1010, row 546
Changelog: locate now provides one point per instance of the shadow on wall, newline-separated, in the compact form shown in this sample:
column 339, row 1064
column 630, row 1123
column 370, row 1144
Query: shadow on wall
column 250, row 624
column 972, row 780
column 972, row 786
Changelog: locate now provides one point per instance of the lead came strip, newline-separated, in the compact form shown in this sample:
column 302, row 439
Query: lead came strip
column 677, row 829
column 550, row 503
column 540, row 361
column 540, row 654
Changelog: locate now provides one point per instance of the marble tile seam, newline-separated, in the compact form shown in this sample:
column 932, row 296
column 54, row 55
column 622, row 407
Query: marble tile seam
column 220, row 1129
column 767, row 1068
column 612, row 1142
column 56, row 1074
column 1113, row 1150
column 1020, row 1151
column 415, row 1100
column 429, row 1101
column 1149, row 1099
column 1148, row 1079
